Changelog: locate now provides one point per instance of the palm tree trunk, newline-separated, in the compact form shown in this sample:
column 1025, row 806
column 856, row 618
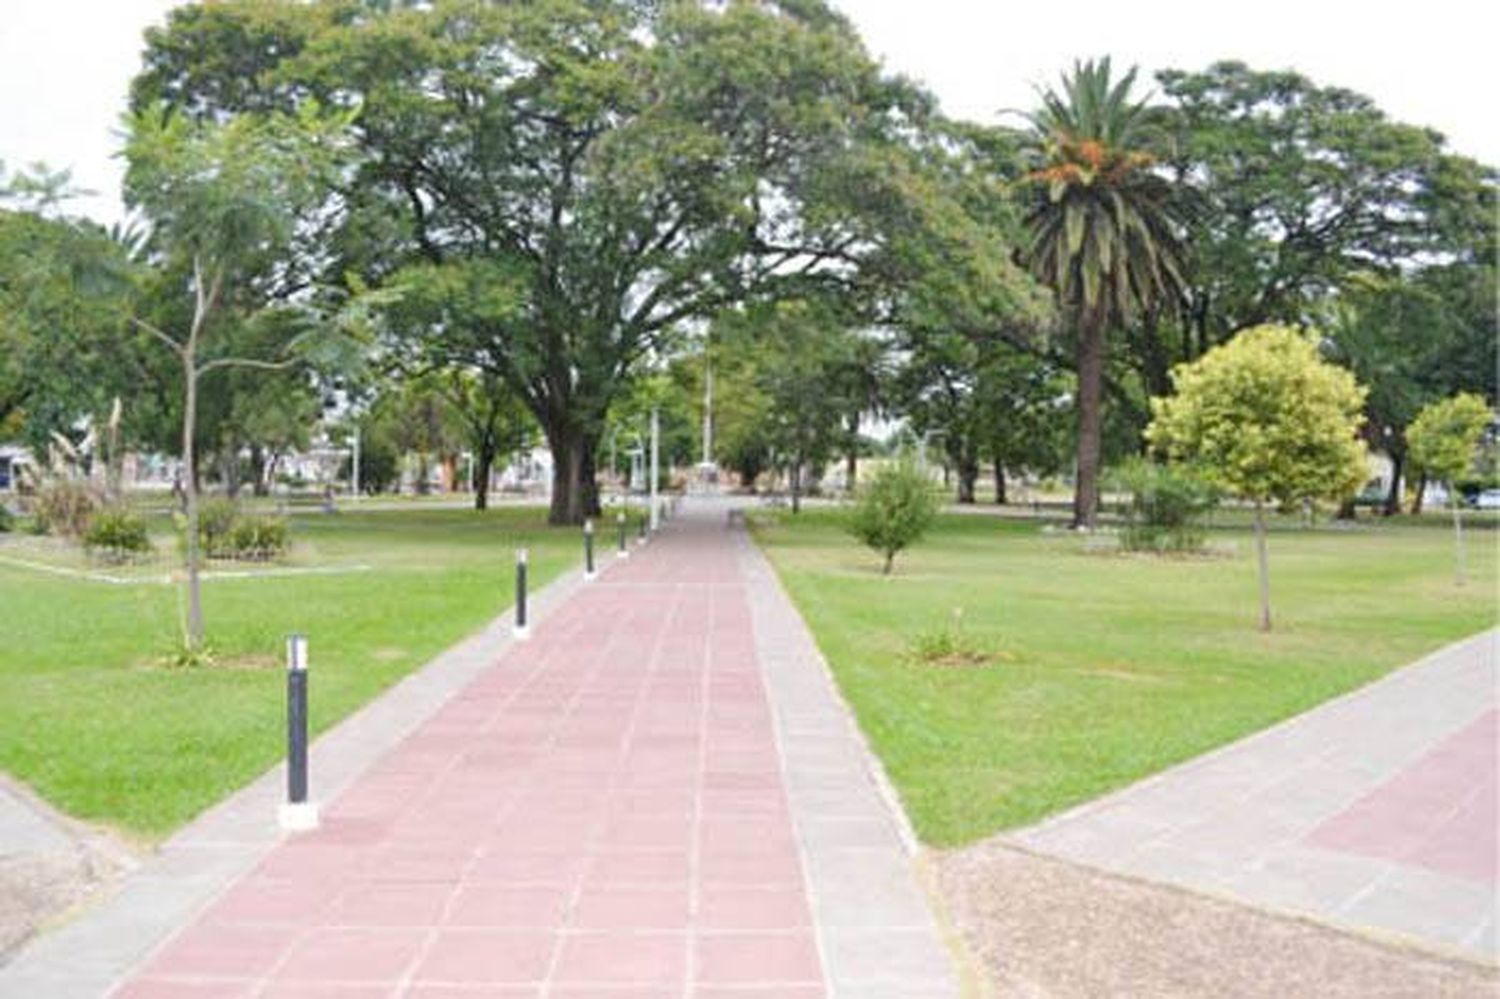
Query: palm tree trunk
column 1090, row 389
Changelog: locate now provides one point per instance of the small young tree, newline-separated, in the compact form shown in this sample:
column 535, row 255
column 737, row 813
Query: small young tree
column 225, row 202
column 894, row 510
column 1444, row 441
column 1266, row 418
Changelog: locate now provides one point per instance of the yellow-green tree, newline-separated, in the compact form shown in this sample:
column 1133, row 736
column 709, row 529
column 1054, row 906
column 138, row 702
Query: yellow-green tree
column 1266, row 418
column 1443, row 441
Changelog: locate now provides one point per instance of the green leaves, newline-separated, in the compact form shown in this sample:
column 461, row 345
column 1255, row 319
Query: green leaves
column 1105, row 236
column 894, row 510
column 1265, row 417
column 1446, row 435
column 230, row 191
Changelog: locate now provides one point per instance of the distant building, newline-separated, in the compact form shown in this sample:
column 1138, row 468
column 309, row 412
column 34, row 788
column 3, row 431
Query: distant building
column 13, row 458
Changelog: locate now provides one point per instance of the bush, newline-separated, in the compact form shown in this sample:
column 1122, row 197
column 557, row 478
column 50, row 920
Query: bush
column 894, row 510
column 116, row 535
column 63, row 507
column 1167, row 507
column 259, row 539
column 216, row 520
column 227, row 532
column 7, row 519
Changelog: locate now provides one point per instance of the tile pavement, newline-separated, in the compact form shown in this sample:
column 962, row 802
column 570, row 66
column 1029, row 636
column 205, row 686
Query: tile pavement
column 1376, row 811
column 627, row 805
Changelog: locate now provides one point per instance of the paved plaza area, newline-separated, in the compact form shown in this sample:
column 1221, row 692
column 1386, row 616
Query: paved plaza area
column 658, row 795
column 1376, row 812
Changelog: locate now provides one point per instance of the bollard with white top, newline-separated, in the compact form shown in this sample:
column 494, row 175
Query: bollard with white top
column 623, row 552
column 588, row 550
column 523, row 628
column 297, row 814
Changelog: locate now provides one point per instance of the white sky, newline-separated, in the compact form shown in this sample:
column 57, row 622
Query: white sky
column 65, row 64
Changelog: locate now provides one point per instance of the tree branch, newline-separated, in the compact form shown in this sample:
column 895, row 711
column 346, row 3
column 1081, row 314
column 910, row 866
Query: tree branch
column 245, row 362
column 164, row 338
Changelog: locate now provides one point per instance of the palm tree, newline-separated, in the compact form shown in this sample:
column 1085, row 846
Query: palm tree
column 1104, row 235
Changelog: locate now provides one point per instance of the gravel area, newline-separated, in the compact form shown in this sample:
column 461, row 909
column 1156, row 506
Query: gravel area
column 48, row 864
column 1044, row 927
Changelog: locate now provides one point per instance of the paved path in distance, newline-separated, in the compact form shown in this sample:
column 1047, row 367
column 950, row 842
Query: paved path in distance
column 1376, row 811
column 658, row 795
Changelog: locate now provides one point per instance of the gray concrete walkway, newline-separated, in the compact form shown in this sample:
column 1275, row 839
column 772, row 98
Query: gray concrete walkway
column 1375, row 812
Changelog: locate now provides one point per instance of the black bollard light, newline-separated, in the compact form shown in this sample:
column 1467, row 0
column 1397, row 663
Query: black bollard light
column 620, row 519
column 523, row 629
column 588, row 550
column 297, row 813
column 640, row 532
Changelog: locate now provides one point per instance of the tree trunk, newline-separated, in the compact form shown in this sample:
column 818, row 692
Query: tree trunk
column 575, row 494
column 484, row 463
column 1263, row 564
column 795, row 479
column 1416, row 502
column 1458, row 535
column 1393, row 495
column 851, row 460
column 423, row 479
column 1347, row 510
column 999, row 483
column 258, row 476
column 190, row 499
column 229, row 470
column 968, row 475
column 1090, row 385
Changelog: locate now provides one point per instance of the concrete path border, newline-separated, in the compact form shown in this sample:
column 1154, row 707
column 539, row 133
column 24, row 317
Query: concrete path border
column 89, row 955
column 877, row 933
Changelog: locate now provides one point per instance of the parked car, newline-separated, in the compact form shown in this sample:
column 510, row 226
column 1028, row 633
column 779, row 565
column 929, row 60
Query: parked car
column 1488, row 499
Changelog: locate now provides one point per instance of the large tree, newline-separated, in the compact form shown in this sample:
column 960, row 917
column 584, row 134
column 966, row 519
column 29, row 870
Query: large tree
column 64, row 299
column 626, row 166
column 1104, row 234
column 1295, row 189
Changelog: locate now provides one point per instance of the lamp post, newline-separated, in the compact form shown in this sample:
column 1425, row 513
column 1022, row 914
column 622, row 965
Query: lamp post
column 655, row 464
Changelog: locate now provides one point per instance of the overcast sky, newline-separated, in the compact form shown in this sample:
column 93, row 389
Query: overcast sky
column 65, row 64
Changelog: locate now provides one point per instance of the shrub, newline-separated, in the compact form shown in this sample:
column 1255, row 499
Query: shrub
column 227, row 532
column 951, row 645
column 1167, row 507
column 116, row 534
column 216, row 520
column 259, row 539
column 894, row 510
column 63, row 507
column 7, row 519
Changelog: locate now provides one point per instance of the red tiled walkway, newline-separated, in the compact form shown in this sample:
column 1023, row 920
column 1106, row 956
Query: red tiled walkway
column 602, row 813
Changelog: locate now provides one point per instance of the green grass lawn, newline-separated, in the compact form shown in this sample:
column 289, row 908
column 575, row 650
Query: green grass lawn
column 1106, row 667
column 92, row 719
